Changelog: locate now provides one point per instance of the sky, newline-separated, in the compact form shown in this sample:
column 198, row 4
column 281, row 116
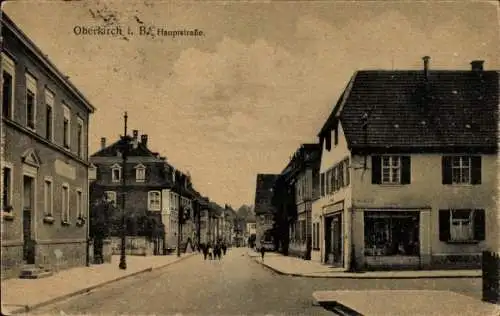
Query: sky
column 262, row 79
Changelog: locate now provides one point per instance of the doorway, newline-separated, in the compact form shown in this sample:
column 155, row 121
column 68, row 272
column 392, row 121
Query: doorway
column 333, row 240
column 28, row 203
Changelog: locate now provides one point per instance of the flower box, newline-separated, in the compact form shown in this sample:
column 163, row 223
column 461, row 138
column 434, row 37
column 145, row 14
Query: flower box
column 48, row 219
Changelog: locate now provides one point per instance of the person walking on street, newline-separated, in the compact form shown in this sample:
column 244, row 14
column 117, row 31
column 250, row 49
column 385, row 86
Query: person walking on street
column 204, row 248
column 262, row 252
column 224, row 248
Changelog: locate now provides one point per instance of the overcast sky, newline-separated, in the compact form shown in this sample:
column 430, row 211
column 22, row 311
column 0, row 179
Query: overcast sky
column 262, row 80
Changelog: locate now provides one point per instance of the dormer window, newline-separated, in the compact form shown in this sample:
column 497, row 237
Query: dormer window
column 140, row 173
column 116, row 173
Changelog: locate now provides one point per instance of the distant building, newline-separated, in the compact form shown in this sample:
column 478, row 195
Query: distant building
column 264, row 210
column 44, row 160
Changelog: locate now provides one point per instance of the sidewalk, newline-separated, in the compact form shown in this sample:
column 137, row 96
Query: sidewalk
column 402, row 302
column 305, row 268
column 22, row 295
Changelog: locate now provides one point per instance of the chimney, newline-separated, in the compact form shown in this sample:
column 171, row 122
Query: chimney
column 477, row 65
column 103, row 142
column 135, row 134
column 144, row 140
column 426, row 67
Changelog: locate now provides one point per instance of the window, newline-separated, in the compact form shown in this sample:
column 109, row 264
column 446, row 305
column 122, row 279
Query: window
column 65, row 204
column 116, row 173
column 140, row 173
column 31, row 90
column 111, row 197
column 461, row 225
column 154, row 200
column 7, row 187
column 8, row 85
column 79, row 138
column 391, row 170
column 49, row 123
column 48, row 193
column 66, row 127
column 461, row 170
column 79, row 204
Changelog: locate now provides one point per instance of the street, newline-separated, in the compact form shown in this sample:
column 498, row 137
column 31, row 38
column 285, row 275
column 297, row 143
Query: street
column 233, row 286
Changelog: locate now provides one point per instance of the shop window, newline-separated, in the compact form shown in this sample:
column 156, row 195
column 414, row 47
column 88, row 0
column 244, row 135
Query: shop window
column 391, row 233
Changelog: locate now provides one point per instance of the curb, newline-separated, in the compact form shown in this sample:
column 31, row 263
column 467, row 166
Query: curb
column 361, row 276
column 28, row 308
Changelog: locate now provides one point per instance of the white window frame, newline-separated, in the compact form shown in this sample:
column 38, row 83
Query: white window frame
column 462, row 229
column 49, row 102
column 79, row 203
column 67, row 133
column 48, row 197
column 152, row 207
column 65, row 200
column 393, row 167
column 79, row 122
column 9, row 166
column 113, row 168
column 111, row 197
column 464, row 164
column 140, row 168
column 31, row 86
column 9, row 66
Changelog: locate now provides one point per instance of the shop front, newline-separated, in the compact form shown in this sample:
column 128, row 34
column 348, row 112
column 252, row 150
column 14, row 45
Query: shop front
column 392, row 239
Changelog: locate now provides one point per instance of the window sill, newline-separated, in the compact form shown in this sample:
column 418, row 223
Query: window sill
column 460, row 185
column 7, row 216
column 392, row 185
column 463, row 242
column 65, row 223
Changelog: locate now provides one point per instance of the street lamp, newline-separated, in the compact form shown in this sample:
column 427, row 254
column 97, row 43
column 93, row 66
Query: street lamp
column 124, row 147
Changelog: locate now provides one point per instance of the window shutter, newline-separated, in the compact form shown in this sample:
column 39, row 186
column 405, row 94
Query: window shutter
column 479, row 225
column 336, row 135
column 405, row 170
column 446, row 169
column 376, row 170
column 444, row 225
column 476, row 169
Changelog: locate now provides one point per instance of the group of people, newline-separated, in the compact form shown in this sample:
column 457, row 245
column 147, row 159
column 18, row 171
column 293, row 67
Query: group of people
column 214, row 251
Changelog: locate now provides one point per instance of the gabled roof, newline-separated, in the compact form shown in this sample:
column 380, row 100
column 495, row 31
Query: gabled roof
column 402, row 109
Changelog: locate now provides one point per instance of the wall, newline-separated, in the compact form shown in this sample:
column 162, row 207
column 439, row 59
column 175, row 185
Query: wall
column 329, row 159
column 426, row 192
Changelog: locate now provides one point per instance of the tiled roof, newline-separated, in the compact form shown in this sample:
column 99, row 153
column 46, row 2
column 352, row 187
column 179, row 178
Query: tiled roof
column 110, row 151
column 460, row 110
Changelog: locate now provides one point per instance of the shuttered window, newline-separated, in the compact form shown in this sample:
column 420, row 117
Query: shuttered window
column 461, row 170
column 462, row 225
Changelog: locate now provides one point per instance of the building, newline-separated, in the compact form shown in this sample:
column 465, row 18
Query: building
column 264, row 210
column 408, row 170
column 304, row 178
column 45, row 160
column 154, row 189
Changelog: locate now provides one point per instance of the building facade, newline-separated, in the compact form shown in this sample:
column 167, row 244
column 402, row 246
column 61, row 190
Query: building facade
column 45, row 160
column 408, row 174
column 264, row 209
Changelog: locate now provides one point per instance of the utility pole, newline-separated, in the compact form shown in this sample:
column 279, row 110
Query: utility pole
column 124, row 149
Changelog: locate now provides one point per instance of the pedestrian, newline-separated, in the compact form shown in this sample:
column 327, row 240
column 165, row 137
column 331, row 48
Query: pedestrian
column 262, row 252
column 210, row 252
column 224, row 248
column 204, row 248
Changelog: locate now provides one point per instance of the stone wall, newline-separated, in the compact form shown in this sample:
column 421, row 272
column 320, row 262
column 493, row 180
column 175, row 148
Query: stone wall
column 12, row 260
column 135, row 246
column 60, row 256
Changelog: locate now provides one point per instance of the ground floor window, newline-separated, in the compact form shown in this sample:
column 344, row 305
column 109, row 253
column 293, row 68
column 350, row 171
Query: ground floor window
column 391, row 233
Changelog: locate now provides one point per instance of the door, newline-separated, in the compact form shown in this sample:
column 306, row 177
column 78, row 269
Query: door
column 328, row 238
column 28, row 202
column 337, row 239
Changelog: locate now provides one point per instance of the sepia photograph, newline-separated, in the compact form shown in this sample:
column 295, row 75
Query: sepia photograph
column 252, row 158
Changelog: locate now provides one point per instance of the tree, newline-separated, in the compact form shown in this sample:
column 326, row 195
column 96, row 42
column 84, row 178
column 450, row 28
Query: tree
column 101, row 214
